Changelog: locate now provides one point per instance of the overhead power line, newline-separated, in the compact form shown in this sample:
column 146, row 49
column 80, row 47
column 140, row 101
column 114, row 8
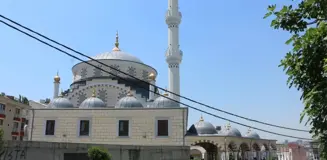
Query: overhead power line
column 194, row 101
column 56, row 48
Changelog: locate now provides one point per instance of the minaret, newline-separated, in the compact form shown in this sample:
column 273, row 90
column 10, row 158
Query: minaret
column 173, row 54
column 56, row 86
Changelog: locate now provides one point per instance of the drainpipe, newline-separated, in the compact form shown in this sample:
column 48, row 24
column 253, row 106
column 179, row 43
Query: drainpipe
column 32, row 127
column 184, row 127
column 225, row 149
column 251, row 151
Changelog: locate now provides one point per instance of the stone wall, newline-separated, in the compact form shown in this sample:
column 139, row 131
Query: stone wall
column 104, row 125
column 20, row 150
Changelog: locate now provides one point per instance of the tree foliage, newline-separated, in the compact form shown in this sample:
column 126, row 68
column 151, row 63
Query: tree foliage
column 98, row 153
column 1, row 140
column 306, row 63
column 2, row 146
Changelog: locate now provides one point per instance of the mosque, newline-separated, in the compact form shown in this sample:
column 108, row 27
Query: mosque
column 101, row 108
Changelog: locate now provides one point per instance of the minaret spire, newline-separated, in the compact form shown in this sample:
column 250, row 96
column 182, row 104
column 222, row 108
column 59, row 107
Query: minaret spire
column 173, row 54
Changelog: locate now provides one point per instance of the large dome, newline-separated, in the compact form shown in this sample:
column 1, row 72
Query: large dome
column 117, row 55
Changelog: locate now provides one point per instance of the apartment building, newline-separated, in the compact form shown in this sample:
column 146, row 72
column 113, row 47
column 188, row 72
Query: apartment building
column 13, row 117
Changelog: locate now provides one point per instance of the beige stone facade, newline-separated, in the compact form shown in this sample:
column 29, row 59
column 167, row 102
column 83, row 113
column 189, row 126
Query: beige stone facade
column 27, row 150
column 12, row 118
column 103, row 126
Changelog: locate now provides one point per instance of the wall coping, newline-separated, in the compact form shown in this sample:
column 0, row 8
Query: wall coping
column 64, row 145
column 76, row 109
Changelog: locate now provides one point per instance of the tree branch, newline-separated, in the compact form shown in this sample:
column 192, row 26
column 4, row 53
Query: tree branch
column 315, row 21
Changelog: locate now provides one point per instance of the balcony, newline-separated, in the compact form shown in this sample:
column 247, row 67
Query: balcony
column 17, row 117
column 2, row 114
column 15, row 132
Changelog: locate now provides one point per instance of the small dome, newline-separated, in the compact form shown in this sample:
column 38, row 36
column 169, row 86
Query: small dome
column 163, row 102
column 203, row 127
column 229, row 131
column 129, row 102
column 93, row 102
column 252, row 134
column 60, row 102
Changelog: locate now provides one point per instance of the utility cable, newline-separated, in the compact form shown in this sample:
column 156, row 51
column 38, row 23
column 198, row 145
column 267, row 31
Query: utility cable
column 194, row 101
column 235, row 122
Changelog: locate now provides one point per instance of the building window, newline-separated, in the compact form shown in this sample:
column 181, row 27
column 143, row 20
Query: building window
column 21, row 138
column 14, row 138
column 15, row 127
column 123, row 128
column 50, row 127
column 17, row 112
column 1, row 122
column 84, row 128
column 162, row 127
column 2, row 108
column 22, row 126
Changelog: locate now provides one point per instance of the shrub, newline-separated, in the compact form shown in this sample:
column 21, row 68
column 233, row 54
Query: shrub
column 98, row 153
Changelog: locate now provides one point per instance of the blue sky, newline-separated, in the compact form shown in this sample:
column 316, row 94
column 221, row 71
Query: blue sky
column 231, row 55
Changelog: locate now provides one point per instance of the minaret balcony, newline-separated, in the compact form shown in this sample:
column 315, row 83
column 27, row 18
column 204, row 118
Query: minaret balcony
column 173, row 19
column 173, row 56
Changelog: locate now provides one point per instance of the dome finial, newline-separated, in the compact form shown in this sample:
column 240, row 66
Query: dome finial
column 116, row 48
column 166, row 93
column 61, row 93
column 152, row 76
column 129, row 94
column 201, row 119
column 249, row 130
column 93, row 93
column 228, row 126
column 57, row 78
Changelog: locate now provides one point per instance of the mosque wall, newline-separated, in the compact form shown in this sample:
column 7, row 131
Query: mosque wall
column 139, row 70
column 33, row 150
column 143, row 125
column 109, row 91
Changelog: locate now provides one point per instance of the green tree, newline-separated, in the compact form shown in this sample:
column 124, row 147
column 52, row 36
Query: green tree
column 98, row 153
column 2, row 149
column 306, row 63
